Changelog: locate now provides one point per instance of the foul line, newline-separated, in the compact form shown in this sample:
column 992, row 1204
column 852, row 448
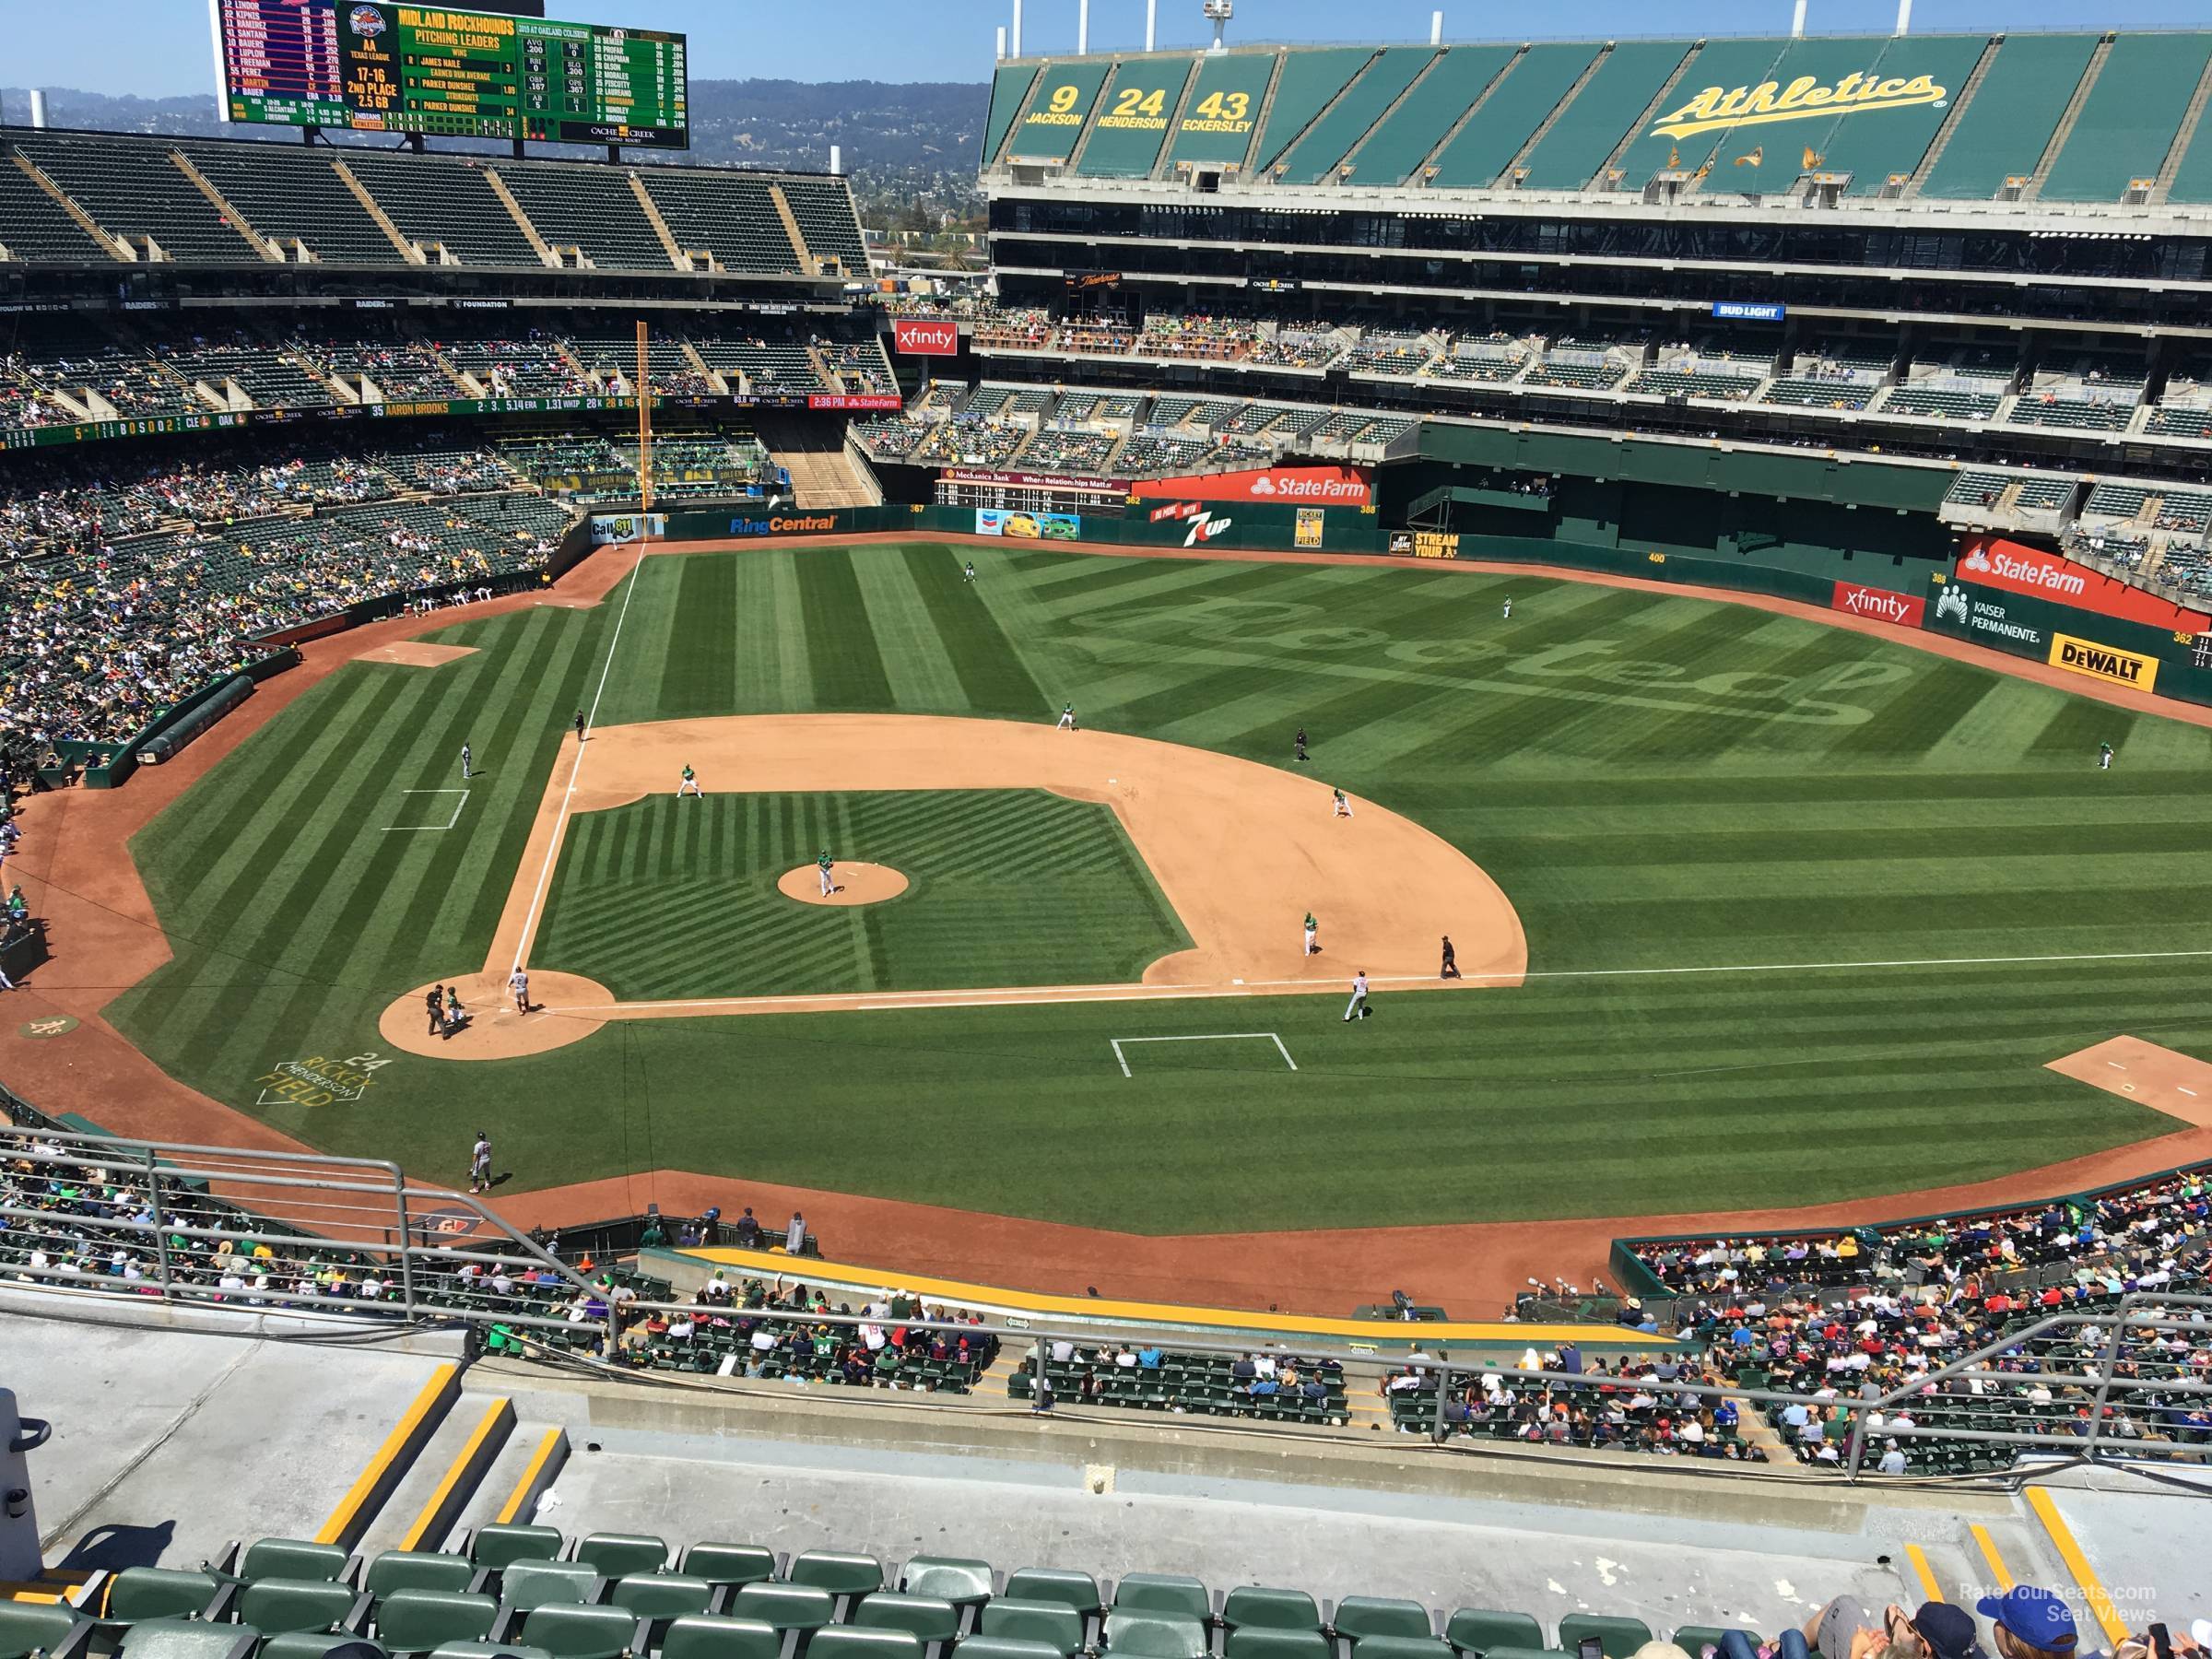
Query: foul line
column 449, row 822
column 2109, row 956
column 537, row 897
column 1204, row 1037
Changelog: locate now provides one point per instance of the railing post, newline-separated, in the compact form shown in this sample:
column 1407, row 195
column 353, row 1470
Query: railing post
column 1858, row 1439
column 1443, row 1393
column 1039, row 1384
column 2108, row 1363
column 153, row 1198
column 406, row 1245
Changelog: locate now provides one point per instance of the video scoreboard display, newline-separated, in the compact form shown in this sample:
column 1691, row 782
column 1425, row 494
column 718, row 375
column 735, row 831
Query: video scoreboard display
column 373, row 66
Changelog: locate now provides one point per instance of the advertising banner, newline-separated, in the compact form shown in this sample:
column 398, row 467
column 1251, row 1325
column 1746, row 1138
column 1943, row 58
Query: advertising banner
column 1028, row 526
column 1856, row 597
column 925, row 336
column 881, row 403
column 1308, row 527
column 976, row 475
column 608, row 529
column 2106, row 663
column 1994, row 619
column 1992, row 561
column 1430, row 544
column 1291, row 486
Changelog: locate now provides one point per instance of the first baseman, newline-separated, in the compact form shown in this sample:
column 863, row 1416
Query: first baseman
column 823, row 867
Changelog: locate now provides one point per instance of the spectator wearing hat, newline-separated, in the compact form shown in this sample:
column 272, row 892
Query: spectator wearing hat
column 2031, row 1623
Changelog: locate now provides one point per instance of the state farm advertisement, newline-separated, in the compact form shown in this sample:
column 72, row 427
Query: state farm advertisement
column 1992, row 561
column 1292, row 485
column 925, row 336
column 1903, row 609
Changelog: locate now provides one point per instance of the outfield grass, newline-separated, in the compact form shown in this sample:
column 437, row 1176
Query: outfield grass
column 670, row 898
column 1659, row 782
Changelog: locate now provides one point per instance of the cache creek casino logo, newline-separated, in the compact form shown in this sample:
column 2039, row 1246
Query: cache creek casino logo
column 1802, row 100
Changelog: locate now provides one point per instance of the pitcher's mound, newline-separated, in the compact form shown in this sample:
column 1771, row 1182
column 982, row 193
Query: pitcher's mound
column 564, row 1008
column 856, row 884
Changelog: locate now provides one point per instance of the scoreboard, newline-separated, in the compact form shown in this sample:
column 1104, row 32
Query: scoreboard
column 374, row 66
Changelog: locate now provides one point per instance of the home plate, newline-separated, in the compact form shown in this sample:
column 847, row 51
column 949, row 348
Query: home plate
column 2158, row 1078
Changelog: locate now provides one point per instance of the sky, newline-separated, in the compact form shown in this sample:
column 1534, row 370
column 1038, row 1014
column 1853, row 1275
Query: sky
column 158, row 48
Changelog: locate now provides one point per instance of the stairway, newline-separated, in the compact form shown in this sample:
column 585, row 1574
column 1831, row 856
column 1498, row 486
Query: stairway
column 813, row 452
column 2066, row 123
column 1952, row 118
column 2184, row 136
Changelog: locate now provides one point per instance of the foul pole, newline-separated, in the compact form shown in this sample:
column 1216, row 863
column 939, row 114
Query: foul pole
column 644, row 390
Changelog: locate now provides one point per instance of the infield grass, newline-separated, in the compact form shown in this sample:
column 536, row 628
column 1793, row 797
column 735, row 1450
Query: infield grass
column 1658, row 782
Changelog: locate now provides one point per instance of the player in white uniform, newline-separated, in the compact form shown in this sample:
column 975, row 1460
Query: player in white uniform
column 519, row 982
column 1357, row 1008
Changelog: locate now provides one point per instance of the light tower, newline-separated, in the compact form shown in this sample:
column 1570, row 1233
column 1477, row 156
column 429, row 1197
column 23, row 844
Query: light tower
column 1217, row 12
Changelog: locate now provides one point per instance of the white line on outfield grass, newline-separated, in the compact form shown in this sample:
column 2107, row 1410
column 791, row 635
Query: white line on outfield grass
column 1205, row 1037
column 591, row 721
column 1023, row 995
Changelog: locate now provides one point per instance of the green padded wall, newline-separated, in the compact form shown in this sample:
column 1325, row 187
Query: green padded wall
column 1224, row 108
column 1132, row 125
column 1394, row 152
column 2003, row 131
column 1493, row 136
column 1720, row 64
column 1592, row 127
column 1872, row 144
column 1007, row 87
column 1060, row 104
column 1313, row 158
column 1311, row 79
column 2127, row 123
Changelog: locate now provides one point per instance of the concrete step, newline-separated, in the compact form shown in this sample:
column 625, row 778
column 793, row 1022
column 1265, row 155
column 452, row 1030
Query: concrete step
column 423, row 1507
column 512, row 1482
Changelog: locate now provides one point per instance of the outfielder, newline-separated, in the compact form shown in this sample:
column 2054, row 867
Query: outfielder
column 823, row 867
column 967, row 571
column 1508, row 610
column 1344, row 806
column 1357, row 1008
column 689, row 786
column 465, row 773
column 2104, row 757
column 1312, row 935
column 1067, row 718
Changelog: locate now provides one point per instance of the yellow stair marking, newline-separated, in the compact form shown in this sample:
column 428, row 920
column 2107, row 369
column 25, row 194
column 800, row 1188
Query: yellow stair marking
column 2069, row 1551
column 351, row 1516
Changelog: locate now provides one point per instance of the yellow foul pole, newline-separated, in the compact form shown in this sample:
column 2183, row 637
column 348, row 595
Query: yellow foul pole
column 645, row 388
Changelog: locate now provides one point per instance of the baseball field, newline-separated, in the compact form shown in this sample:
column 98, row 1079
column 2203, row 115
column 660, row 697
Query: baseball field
column 1753, row 910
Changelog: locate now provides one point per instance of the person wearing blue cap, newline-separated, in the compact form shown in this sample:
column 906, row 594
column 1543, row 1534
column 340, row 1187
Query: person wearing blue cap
column 2031, row 1624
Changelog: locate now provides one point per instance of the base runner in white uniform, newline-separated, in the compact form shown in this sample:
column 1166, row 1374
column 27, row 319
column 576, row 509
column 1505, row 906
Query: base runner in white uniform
column 1357, row 1008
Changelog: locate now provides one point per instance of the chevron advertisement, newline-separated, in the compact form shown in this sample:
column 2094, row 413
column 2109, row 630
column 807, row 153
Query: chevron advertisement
column 1286, row 485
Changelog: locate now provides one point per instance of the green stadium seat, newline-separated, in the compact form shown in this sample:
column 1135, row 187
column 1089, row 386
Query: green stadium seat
column 1622, row 1637
column 731, row 1564
column 1257, row 1641
column 1401, row 1647
column 187, row 1639
column 839, row 1573
column 580, row 1632
column 487, row 1650
column 1257, row 1607
column 1076, row 1590
column 276, row 1606
column 931, row 1618
column 498, row 1546
column 292, row 1559
column 661, row 1596
column 1007, row 1647
column 617, row 1554
column 1475, row 1630
column 529, row 1584
column 415, row 1621
column 1155, row 1635
column 1163, row 1592
column 1528, row 1653
column 1360, row 1616
column 417, row 1569
column 148, row 1592
column 964, row 1583
column 850, row 1642
column 1056, row 1625
column 26, row 1627
column 701, row 1636
column 310, row 1645
column 785, row 1606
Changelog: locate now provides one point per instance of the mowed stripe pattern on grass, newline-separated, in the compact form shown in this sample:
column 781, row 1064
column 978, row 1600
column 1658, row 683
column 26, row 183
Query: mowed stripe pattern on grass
column 673, row 898
column 1654, row 780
